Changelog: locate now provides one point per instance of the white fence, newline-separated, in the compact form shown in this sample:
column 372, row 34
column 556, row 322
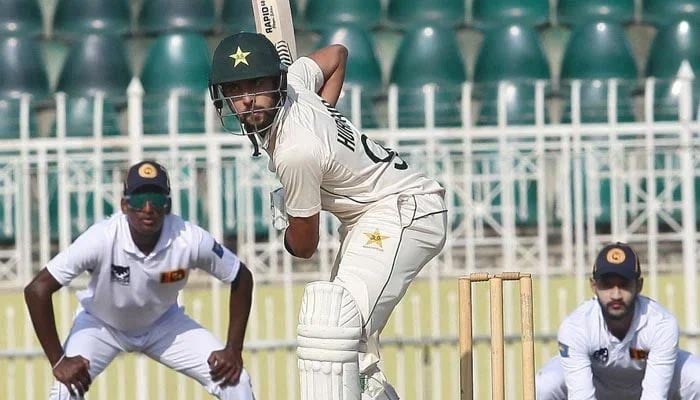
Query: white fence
column 540, row 199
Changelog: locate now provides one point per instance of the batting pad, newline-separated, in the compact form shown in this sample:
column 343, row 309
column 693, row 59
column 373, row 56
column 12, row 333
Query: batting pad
column 328, row 338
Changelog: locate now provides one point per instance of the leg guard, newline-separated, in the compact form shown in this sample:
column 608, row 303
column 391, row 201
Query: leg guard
column 328, row 336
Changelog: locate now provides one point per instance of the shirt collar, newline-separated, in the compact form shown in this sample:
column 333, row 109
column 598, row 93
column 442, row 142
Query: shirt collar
column 164, row 241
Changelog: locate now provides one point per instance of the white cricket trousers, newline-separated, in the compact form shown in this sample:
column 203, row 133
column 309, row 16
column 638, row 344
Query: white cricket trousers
column 382, row 254
column 175, row 340
column 685, row 384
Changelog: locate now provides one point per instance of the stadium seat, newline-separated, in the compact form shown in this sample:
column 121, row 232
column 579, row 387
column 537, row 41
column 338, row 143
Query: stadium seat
column 661, row 12
column 234, row 214
column 362, row 68
column 185, row 57
column 190, row 116
column 20, row 18
column 80, row 17
column 10, row 119
column 22, row 68
column 80, row 117
column 596, row 52
column 672, row 44
column 96, row 63
column 444, row 13
column 513, row 54
column 159, row 16
column 323, row 13
column 176, row 61
column 577, row 12
column 415, row 66
column 81, row 203
column 237, row 16
column 494, row 13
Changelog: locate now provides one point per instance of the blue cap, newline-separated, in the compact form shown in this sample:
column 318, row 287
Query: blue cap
column 146, row 173
column 617, row 258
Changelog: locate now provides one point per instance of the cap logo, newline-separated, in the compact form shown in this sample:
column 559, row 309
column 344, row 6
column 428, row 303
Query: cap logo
column 239, row 57
column 148, row 171
column 615, row 256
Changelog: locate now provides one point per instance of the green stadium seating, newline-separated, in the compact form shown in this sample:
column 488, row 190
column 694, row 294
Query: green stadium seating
column 96, row 63
column 444, row 13
column 577, row 12
column 10, row 119
column 190, row 117
column 81, row 205
column 494, row 13
column 159, row 16
column 237, row 16
column 79, row 117
column 186, row 58
column 520, row 104
column 323, row 13
column 362, row 68
column 80, row 17
column 661, row 12
column 415, row 66
column 596, row 52
column 511, row 53
column 176, row 61
column 672, row 44
column 22, row 68
column 234, row 216
column 20, row 18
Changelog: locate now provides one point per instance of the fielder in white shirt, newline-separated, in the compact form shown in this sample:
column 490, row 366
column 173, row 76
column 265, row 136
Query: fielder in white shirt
column 138, row 262
column 393, row 218
column 620, row 344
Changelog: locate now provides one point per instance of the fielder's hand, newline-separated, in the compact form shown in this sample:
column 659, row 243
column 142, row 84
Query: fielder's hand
column 73, row 372
column 225, row 366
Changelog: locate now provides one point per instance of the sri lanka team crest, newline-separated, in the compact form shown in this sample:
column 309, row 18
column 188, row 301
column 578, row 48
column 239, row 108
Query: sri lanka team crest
column 173, row 276
column 375, row 240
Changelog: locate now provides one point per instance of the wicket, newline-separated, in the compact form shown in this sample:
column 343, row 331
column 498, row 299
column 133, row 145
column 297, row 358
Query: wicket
column 497, row 334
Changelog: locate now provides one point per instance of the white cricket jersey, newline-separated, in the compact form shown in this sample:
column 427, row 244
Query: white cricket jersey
column 641, row 364
column 324, row 163
column 129, row 290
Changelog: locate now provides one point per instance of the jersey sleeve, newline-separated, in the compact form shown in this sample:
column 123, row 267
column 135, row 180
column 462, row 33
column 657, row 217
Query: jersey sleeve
column 216, row 260
column 306, row 73
column 82, row 255
column 661, row 360
column 576, row 362
column 300, row 172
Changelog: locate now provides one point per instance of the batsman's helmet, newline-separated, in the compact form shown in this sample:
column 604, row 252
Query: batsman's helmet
column 241, row 56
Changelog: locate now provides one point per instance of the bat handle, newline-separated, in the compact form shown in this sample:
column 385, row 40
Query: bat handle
column 283, row 50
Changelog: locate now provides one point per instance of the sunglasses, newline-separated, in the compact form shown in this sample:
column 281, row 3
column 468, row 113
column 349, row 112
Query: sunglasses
column 138, row 201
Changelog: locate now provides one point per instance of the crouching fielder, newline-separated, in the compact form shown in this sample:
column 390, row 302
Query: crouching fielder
column 138, row 261
column 393, row 218
column 619, row 345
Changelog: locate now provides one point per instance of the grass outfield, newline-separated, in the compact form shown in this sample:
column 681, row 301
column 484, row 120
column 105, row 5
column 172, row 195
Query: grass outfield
column 420, row 368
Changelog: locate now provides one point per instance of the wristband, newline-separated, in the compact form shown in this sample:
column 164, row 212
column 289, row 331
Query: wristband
column 59, row 361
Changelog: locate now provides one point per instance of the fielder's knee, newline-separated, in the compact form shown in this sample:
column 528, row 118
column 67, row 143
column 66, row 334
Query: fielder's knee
column 328, row 336
column 550, row 382
column 242, row 391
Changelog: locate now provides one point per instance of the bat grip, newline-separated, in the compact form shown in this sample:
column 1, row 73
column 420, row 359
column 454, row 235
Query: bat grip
column 283, row 50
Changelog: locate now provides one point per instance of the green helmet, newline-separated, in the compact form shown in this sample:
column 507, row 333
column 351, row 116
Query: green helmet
column 242, row 56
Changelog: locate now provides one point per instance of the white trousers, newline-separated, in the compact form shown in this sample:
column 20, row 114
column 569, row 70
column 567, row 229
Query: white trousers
column 382, row 254
column 175, row 340
column 685, row 384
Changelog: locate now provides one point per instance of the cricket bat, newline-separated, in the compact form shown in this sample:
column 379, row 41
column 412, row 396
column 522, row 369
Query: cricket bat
column 273, row 18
